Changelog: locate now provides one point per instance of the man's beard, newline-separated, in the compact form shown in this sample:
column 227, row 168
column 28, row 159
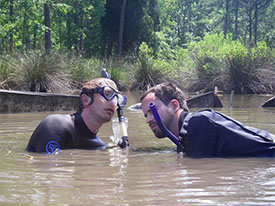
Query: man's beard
column 161, row 134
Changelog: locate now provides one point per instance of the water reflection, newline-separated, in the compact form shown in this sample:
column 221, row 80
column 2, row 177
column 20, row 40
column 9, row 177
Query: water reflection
column 119, row 159
column 229, row 181
column 149, row 173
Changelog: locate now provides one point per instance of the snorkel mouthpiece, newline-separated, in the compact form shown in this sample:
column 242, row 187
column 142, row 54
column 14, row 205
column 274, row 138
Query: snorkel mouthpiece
column 163, row 128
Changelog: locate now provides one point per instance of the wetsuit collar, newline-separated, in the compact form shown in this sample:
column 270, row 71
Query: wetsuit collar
column 182, row 117
column 183, row 122
column 82, row 127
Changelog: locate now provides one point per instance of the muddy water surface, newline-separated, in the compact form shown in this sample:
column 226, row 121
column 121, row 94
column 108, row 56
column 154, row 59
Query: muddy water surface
column 149, row 173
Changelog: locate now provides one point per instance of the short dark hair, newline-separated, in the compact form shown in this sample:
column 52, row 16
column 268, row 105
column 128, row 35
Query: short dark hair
column 166, row 92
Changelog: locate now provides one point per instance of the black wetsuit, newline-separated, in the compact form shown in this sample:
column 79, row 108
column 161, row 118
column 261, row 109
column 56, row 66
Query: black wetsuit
column 212, row 134
column 59, row 131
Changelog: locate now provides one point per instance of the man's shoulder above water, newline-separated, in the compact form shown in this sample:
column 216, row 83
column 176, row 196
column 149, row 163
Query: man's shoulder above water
column 212, row 134
column 55, row 129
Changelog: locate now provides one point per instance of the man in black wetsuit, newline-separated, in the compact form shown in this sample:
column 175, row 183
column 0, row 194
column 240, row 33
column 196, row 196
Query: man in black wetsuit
column 79, row 130
column 206, row 133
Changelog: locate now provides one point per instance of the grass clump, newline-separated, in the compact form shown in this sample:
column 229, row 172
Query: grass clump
column 7, row 73
column 41, row 72
column 230, row 65
column 83, row 70
column 149, row 70
column 212, row 61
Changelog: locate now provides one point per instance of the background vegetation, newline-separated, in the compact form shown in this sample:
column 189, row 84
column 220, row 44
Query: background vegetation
column 55, row 45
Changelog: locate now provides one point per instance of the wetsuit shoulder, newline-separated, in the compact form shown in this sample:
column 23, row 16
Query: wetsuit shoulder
column 56, row 131
column 213, row 134
column 200, row 134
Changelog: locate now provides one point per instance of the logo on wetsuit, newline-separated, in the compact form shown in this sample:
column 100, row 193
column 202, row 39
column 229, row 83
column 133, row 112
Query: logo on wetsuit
column 52, row 147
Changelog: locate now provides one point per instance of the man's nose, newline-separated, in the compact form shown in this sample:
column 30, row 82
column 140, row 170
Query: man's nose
column 114, row 101
column 149, row 118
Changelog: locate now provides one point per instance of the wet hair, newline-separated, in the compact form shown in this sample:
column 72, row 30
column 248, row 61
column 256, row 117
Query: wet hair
column 166, row 92
column 94, row 83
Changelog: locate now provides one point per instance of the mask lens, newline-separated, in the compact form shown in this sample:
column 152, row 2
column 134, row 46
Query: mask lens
column 109, row 92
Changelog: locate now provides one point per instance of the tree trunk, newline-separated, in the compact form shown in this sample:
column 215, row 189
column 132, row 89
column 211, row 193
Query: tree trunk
column 256, row 22
column 11, row 31
column 250, row 25
column 109, row 49
column 76, row 22
column 69, row 33
column 34, row 36
column 235, row 36
column 25, row 29
column 226, row 18
column 121, row 27
column 47, row 20
column 81, row 31
column 185, row 25
column 27, row 38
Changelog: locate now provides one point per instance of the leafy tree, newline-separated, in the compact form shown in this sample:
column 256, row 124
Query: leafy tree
column 141, row 22
column 94, row 28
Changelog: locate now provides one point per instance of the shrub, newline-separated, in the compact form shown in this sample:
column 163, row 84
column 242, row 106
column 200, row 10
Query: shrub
column 146, row 75
column 151, row 70
column 230, row 65
column 7, row 73
column 38, row 71
column 250, row 70
column 83, row 70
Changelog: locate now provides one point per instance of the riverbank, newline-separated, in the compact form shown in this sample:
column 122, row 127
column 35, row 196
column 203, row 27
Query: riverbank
column 213, row 61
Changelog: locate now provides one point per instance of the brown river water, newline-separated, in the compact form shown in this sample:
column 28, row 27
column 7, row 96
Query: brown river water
column 150, row 172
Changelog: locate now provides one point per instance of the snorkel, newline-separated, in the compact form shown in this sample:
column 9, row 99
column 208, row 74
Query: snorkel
column 123, row 142
column 163, row 128
column 120, row 130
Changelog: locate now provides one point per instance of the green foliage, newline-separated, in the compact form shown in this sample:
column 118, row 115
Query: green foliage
column 44, row 72
column 118, row 74
column 82, row 69
column 150, row 70
column 207, row 55
column 263, row 51
column 232, row 66
column 177, row 45
column 37, row 71
column 145, row 71
column 7, row 73
column 141, row 22
column 250, row 70
column 91, row 27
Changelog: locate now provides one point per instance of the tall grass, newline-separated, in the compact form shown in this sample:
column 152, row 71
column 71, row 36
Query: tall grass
column 213, row 61
column 7, row 74
column 250, row 74
column 149, row 70
column 230, row 65
column 82, row 69
column 121, row 72
column 41, row 72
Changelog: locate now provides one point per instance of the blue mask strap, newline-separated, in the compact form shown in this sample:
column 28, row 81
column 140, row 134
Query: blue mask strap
column 163, row 128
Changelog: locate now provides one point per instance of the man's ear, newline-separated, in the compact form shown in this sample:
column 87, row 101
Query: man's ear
column 85, row 100
column 174, row 105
